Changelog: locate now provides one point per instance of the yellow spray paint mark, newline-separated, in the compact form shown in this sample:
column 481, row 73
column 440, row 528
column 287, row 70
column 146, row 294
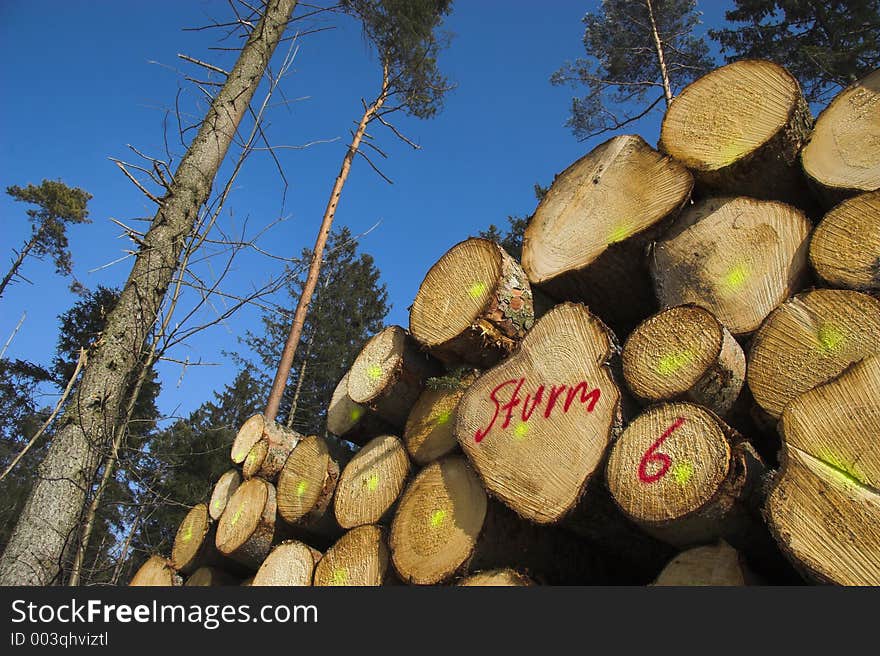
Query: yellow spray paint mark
column 521, row 430
column 843, row 471
column 673, row 362
column 357, row 413
column 374, row 372
column 217, row 505
column 340, row 576
column 437, row 517
column 187, row 534
column 301, row 488
column 618, row 234
column 237, row 514
column 252, row 456
column 476, row 290
column 682, row 472
column 373, row 482
column 830, row 337
column 443, row 417
column 735, row 278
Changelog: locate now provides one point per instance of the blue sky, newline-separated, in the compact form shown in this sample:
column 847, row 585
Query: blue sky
column 79, row 86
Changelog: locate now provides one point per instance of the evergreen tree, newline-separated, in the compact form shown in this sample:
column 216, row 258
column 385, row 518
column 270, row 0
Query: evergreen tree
column 826, row 44
column 57, row 206
column 638, row 53
column 349, row 306
column 512, row 239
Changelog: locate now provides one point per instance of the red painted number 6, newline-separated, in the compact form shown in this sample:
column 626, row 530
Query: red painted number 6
column 651, row 455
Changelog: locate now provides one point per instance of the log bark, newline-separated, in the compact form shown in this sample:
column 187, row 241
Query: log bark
column 808, row 340
column 157, row 571
column 49, row 518
column 474, row 305
column 737, row 257
column 246, row 529
column 389, row 374
column 305, row 491
column 446, row 526
column 684, row 353
column 291, row 563
column 739, row 129
column 352, row 421
column 429, row 428
column 497, row 578
column 371, row 483
column 845, row 247
column 223, row 490
column 842, row 157
column 716, row 565
column 359, row 558
column 587, row 238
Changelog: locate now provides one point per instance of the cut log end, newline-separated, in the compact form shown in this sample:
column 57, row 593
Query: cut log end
column 190, row 539
column 669, row 463
column 438, row 522
column 808, row 340
column 156, row 572
column 371, row 482
column 247, row 526
column 497, row 578
column 428, row 434
column 843, row 155
column 211, row 577
column 225, row 487
column 845, row 247
column 248, row 435
column 343, row 414
column 737, row 257
column 359, row 558
column 684, row 352
column 536, row 426
column 291, row 563
column 307, row 482
column 715, row 565
column 253, row 462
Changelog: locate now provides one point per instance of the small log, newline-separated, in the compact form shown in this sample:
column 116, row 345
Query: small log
column 497, row 578
column 371, row 483
column 842, row 157
column 684, row 353
column 445, row 526
column 247, row 527
column 291, row 563
column 305, row 491
column 737, row 257
column 808, row 340
column 684, row 476
column 389, row 374
column 474, row 305
column 715, row 565
column 739, row 129
column 359, row 558
column 156, row 571
column 194, row 543
column 352, row 421
column 587, row 238
column 256, row 428
column 266, row 458
column 211, row 577
column 845, row 247
column 223, row 490
column 428, row 434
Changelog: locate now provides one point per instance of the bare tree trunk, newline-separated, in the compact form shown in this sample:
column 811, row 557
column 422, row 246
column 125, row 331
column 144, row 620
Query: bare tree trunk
column 49, row 519
column 661, row 59
column 15, row 265
column 302, row 307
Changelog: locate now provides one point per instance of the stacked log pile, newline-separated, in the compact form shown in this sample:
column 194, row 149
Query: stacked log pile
column 697, row 401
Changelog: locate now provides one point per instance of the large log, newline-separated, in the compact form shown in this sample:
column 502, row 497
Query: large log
column 845, row 247
column 389, row 374
column 684, row 353
column 247, row 526
column 740, row 129
column 256, row 428
column 474, row 305
column 842, row 157
column 737, row 257
column 715, row 565
column 223, row 490
column 352, row 421
column 445, row 526
column 371, row 483
column 587, row 237
column 305, row 490
column 808, row 340
column 290, row 563
column 429, row 428
column 359, row 558
column 156, row 571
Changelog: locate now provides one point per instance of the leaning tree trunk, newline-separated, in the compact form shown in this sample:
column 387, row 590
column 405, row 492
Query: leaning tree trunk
column 34, row 552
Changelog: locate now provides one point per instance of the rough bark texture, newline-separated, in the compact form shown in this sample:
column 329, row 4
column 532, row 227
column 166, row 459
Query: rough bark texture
column 34, row 553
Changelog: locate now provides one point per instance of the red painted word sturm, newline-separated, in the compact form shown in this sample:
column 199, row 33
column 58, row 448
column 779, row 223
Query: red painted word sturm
column 531, row 402
column 651, row 455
